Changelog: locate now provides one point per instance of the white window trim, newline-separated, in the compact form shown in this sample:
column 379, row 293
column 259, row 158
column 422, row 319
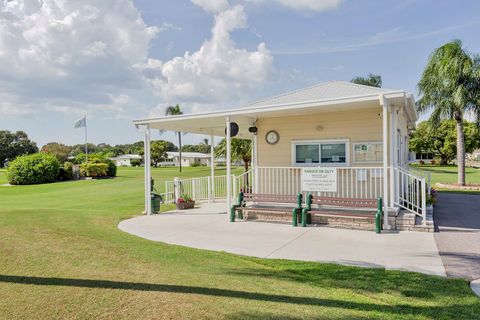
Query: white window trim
column 294, row 143
column 364, row 142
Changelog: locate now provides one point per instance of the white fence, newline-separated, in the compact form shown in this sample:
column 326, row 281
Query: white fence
column 410, row 190
column 352, row 182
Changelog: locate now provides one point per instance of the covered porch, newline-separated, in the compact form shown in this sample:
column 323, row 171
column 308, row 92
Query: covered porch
column 316, row 121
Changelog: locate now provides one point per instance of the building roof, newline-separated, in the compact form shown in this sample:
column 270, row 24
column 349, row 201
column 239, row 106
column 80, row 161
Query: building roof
column 324, row 91
column 128, row 156
column 324, row 97
column 171, row 154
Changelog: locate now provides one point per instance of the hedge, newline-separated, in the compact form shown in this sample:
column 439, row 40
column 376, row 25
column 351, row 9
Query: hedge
column 98, row 158
column 66, row 172
column 33, row 169
column 94, row 170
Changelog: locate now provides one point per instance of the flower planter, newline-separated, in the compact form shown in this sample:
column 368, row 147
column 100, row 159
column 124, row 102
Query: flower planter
column 185, row 205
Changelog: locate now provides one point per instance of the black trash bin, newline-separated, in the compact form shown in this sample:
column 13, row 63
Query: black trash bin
column 156, row 200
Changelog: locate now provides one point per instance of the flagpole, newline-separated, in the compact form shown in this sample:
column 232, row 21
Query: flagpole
column 86, row 148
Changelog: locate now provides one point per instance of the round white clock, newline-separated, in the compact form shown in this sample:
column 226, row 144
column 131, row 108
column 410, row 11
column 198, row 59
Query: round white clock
column 272, row 137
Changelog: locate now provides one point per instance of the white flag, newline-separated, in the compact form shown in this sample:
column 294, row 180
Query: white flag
column 80, row 123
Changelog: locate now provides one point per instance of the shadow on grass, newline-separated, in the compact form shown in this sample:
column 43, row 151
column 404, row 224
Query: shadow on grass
column 464, row 310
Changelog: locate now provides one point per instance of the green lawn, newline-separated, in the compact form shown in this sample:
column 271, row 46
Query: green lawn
column 448, row 174
column 3, row 177
column 62, row 256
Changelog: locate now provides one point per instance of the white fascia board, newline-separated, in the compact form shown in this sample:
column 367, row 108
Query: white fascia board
column 247, row 112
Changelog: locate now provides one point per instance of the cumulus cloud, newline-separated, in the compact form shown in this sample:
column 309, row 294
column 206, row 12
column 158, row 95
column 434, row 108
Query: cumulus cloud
column 93, row 56
column 218, row 71
column 70, row 53
column 212, row 5
column 307, row 5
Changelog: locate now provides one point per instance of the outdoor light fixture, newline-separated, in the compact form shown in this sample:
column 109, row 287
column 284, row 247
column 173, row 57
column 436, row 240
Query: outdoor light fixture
column 253, row 130
column 233, row 129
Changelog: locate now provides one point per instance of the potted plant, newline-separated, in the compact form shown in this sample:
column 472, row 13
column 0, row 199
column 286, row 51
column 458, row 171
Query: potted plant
column 184, row 202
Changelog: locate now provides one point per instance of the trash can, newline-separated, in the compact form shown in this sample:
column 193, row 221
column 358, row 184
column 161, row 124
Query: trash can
column 156, row 200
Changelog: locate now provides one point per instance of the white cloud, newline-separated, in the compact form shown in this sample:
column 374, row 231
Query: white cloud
column 93, row 57
column 61, row 54
column 310, row 5
column 212, row 5
column 217, row 72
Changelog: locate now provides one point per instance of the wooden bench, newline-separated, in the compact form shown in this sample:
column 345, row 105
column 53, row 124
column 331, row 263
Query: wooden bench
column 329, row 207
column 261, row 204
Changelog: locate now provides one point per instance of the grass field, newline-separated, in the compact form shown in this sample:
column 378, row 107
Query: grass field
column 448, row 174
column 62, row 256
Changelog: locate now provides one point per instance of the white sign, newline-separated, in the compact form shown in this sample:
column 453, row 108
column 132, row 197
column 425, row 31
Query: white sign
column 319, row 179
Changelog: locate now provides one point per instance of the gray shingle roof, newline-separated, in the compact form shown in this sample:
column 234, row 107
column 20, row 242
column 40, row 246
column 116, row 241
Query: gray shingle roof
column 324, row 91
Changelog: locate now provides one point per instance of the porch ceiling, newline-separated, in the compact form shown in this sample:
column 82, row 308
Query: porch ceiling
column 213, row 123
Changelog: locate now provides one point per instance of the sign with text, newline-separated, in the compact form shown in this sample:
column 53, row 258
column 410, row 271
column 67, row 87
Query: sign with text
column 319, row 179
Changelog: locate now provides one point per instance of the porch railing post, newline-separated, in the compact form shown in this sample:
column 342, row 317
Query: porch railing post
column 424, row 201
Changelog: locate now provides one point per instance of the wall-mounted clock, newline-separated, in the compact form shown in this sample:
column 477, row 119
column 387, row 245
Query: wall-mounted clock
column 272, row 137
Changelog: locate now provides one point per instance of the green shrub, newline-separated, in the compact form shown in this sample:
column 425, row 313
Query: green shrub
column 195, row 165
column 98, row 158
column 33, row 169
column 135, row 162
column 93, row 170
column 66, row 172
column 112, row 168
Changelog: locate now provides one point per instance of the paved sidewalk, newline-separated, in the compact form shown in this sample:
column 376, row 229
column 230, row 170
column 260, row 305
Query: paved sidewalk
column 457, row 219
column 208, row 228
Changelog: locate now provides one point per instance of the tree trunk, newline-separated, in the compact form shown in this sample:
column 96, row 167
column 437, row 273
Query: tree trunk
column 460, row 150
column 180, row 151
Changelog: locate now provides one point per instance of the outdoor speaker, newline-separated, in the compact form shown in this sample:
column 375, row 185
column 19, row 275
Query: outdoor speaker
column 233, row 129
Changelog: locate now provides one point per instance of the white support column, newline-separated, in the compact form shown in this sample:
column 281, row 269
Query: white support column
column 145, row 171
column 386, row 225
column 148, row 175
column 212, row 169
column 229, row 165
column 393, row 154
column 255, row 163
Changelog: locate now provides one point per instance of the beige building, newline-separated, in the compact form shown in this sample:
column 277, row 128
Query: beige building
column 360, row 131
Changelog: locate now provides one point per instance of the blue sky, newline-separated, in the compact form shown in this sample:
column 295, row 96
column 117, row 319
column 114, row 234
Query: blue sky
column 118, row 60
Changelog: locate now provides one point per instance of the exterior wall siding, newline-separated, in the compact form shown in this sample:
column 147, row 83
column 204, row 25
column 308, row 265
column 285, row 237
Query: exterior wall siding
column 355, row 126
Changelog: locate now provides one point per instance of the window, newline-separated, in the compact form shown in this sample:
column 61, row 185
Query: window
column 368, row 152
column 334, row 153
column 307, row 153
column 315, row 153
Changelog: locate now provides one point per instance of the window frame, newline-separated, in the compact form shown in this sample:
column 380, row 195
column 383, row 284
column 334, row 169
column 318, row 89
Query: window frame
column 365, row 142
column 294, row 143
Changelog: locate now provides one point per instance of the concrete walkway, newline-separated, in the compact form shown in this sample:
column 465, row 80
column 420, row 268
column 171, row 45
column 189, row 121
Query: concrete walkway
column 208, row 228
column 457, row 218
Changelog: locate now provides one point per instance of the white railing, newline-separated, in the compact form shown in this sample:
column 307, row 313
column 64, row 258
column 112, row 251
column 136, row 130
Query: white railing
column 411, row 192
column 352, row 182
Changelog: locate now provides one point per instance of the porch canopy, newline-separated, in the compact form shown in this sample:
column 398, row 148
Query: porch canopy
column 325, row 97
column 330, row 96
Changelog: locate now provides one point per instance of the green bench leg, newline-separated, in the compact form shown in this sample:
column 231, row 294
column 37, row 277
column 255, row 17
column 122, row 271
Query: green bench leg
column 240, row 214
column 232, row 214
column 294, row 217
column 304, row 218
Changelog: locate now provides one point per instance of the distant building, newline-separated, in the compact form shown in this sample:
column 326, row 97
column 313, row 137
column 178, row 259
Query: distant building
column 124, row 160
column 190, row 158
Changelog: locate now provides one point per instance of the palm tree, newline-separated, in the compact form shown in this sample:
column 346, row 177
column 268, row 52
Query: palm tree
column 449, row 87
column 174, row 111
column 240, row 150
column 372, row 80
